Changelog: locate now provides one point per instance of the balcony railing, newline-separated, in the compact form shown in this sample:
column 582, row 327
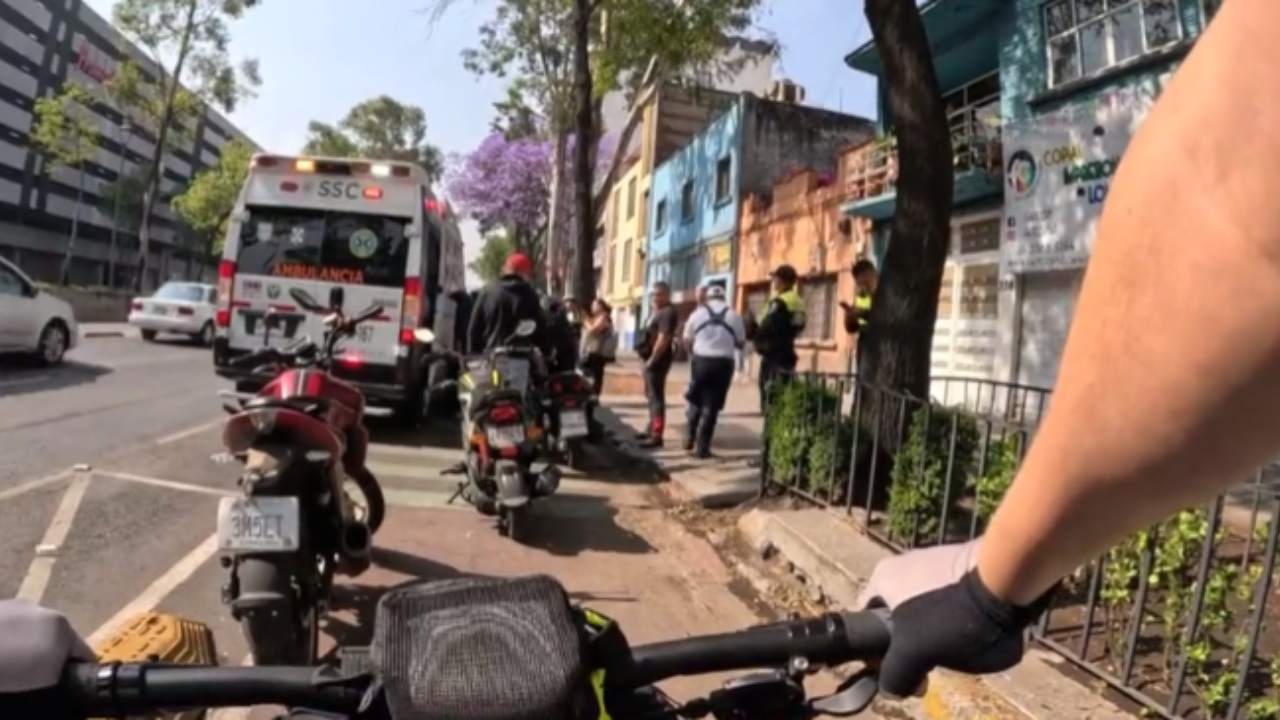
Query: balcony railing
column 976, row 147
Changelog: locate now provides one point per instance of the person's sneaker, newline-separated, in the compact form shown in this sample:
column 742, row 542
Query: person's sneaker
column 688, row 444
column 703, row 454
column 651, row 443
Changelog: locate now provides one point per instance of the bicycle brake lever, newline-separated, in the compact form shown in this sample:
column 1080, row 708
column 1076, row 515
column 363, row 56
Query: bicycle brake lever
column 853, row 696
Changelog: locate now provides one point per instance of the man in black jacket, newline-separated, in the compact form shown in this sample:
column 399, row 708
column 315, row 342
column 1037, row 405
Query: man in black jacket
column 503, row 304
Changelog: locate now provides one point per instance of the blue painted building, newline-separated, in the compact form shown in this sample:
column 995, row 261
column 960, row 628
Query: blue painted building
column 1042, row 97
column 695, row 194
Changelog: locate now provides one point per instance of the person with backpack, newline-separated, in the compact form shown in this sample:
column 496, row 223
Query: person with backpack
column 655, row 345
column 774, row 336
column 713, row 333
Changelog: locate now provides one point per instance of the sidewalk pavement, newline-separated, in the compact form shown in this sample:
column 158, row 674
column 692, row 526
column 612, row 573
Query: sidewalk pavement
column 826, row 548
column 107, row 329
column 724, row 480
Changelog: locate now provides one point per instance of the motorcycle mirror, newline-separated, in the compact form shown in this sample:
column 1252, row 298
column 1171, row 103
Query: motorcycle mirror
column 526, row 328
column 424, row 336
column 305, row 300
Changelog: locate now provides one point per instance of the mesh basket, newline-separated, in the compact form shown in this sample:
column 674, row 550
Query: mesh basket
column 479, row 649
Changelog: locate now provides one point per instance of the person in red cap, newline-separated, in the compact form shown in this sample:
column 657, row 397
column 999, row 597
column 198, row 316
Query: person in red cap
column 503, row 304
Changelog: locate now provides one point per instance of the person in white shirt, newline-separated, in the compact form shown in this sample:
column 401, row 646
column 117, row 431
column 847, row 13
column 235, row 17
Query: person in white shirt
column 713, row 333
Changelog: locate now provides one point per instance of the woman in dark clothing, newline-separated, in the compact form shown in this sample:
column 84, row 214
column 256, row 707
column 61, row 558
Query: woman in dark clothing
column 599, row 343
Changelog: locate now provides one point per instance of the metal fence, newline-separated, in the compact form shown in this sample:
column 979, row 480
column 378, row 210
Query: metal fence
column 1176, row 617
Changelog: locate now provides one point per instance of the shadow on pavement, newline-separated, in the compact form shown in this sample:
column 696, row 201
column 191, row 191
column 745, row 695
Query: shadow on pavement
column 579, row 523
column 20, row 375
column 353, row 606
column 442, row 432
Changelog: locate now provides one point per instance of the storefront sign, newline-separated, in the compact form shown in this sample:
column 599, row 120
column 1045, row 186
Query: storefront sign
column 1058, row 169
column 718, row 258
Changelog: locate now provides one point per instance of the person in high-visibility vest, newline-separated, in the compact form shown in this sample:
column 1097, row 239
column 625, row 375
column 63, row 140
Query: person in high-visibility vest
column 866, row 278
column 774, row 336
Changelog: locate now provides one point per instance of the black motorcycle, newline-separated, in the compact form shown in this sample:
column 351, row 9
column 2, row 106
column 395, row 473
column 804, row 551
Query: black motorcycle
column 512, row 649
column 570, row 409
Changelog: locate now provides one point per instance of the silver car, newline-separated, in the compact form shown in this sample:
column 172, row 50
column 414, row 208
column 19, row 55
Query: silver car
column 32, row 320
column 185, row 308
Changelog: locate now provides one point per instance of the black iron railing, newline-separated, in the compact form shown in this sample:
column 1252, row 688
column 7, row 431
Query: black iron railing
column 1176, row 617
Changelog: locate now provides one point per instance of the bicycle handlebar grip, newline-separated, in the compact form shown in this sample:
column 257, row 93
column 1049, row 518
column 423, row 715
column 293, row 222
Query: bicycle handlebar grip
column 868, row 632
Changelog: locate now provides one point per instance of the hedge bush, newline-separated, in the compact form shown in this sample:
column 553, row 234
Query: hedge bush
column 794, row 410
column 1002, row 465
column 919, row 477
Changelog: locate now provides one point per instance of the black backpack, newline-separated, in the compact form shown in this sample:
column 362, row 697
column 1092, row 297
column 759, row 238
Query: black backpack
column 716, row 318
column 644, row 343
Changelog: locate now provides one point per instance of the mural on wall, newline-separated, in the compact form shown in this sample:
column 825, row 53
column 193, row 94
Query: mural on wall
column 1058, row 169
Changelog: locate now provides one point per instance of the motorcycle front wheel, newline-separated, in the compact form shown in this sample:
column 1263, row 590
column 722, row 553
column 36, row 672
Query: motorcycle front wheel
column 364, row 493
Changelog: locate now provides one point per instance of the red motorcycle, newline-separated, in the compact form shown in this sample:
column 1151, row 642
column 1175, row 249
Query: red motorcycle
column 308, row 506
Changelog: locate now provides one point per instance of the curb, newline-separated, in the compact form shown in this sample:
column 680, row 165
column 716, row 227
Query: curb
column 838, row 558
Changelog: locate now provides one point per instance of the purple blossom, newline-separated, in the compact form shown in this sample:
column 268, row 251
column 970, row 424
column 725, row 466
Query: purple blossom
column 503, row 183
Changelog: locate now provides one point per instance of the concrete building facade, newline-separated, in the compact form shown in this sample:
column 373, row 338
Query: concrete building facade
column 45, row 44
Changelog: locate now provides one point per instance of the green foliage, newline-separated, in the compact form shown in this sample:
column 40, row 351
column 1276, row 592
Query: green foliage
column 381, row 128
column 919, row 478
column 830, row 442
column 127, row 191
column 991, row 486
column 793, row 414
column 207, row 203
column 64, row 133
column 488, row 264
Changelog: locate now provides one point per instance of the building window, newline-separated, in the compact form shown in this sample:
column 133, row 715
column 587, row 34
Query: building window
column 686, row 201
column 1085, row 37
column 819, row 296
column 631, row 199
column 722, row 179
column 660, row 217
column 615, row 209
column 626, row 262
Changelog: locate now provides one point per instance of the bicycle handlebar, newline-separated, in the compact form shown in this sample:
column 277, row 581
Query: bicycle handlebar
column 124, row 689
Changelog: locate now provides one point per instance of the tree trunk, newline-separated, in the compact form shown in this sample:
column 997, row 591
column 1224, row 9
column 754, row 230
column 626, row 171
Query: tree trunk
column 897, row 342
column 65, row 277
column 555, row 273
column 162, row 135
column 584, row 274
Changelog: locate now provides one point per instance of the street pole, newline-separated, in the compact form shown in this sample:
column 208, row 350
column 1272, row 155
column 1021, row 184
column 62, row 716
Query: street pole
column 125, row 130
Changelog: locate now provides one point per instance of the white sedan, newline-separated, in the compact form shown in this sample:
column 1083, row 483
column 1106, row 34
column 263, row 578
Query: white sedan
column 32, row 320
column 177, row 307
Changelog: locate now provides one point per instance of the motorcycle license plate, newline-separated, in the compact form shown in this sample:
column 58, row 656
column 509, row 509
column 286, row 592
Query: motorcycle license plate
column 573, row 424
column 505, row 436
column 258, row 524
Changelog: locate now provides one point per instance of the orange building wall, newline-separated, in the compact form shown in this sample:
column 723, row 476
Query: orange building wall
column 801, row 225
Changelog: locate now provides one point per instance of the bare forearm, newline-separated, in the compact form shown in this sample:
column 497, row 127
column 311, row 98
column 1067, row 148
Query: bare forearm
column 1169, row 388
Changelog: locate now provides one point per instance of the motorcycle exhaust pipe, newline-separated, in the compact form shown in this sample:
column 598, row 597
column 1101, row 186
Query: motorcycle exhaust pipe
column 547, row 481
column 355, row 544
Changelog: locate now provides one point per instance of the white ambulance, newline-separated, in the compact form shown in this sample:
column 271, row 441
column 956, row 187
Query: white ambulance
column 351, row 233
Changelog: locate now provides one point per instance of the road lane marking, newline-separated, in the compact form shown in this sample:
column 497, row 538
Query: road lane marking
column 158, row 590
column 161, row 482
column 41, row 568
column 438, row 454
column 182, row 434
column 32, row 485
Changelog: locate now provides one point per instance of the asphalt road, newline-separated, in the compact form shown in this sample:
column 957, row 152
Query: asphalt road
column 135, row 533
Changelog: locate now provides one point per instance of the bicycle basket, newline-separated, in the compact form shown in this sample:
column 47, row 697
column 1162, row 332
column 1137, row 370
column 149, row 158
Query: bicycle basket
column 480, row 649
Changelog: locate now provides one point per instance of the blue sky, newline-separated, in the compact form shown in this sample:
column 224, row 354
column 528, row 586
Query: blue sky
column 320, row 57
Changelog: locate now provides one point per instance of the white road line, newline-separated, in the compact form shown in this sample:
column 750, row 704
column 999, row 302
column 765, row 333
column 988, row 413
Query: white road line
column 41, row 568
column 32, row 485
column 181, row 434
column 161, row 482
column 158, row 590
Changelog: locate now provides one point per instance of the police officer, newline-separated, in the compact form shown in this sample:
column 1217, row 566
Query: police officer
column 780, row 324
column 866, row 279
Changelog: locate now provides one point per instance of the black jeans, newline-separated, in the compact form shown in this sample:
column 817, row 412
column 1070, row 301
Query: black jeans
column 770, row 368
column 709, row 381
column 655, row 390
column 593, row 366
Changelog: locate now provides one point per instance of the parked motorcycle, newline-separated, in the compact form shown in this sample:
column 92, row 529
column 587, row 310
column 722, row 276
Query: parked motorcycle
column 308, row 506
column 503, row 434
column 570, row 406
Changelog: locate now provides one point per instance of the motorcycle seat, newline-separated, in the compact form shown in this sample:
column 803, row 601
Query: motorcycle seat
column 313, row 406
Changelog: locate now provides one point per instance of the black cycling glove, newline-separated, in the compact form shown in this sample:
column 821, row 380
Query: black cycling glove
column 962, row 627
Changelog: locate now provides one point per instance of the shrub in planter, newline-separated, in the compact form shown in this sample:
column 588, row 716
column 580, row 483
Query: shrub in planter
column 828, row 456
column 919, row 477
column 990, row 487
column 793, row 414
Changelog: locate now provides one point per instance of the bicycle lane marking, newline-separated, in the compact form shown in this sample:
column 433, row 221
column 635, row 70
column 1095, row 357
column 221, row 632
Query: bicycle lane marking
column 40, row 570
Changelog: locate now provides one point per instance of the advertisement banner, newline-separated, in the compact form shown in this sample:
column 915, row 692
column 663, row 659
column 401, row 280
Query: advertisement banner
column 1058, row 169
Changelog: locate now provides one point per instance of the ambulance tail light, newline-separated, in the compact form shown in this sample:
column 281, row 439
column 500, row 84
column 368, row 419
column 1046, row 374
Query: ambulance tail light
column 411, row 309
column 226, row 281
